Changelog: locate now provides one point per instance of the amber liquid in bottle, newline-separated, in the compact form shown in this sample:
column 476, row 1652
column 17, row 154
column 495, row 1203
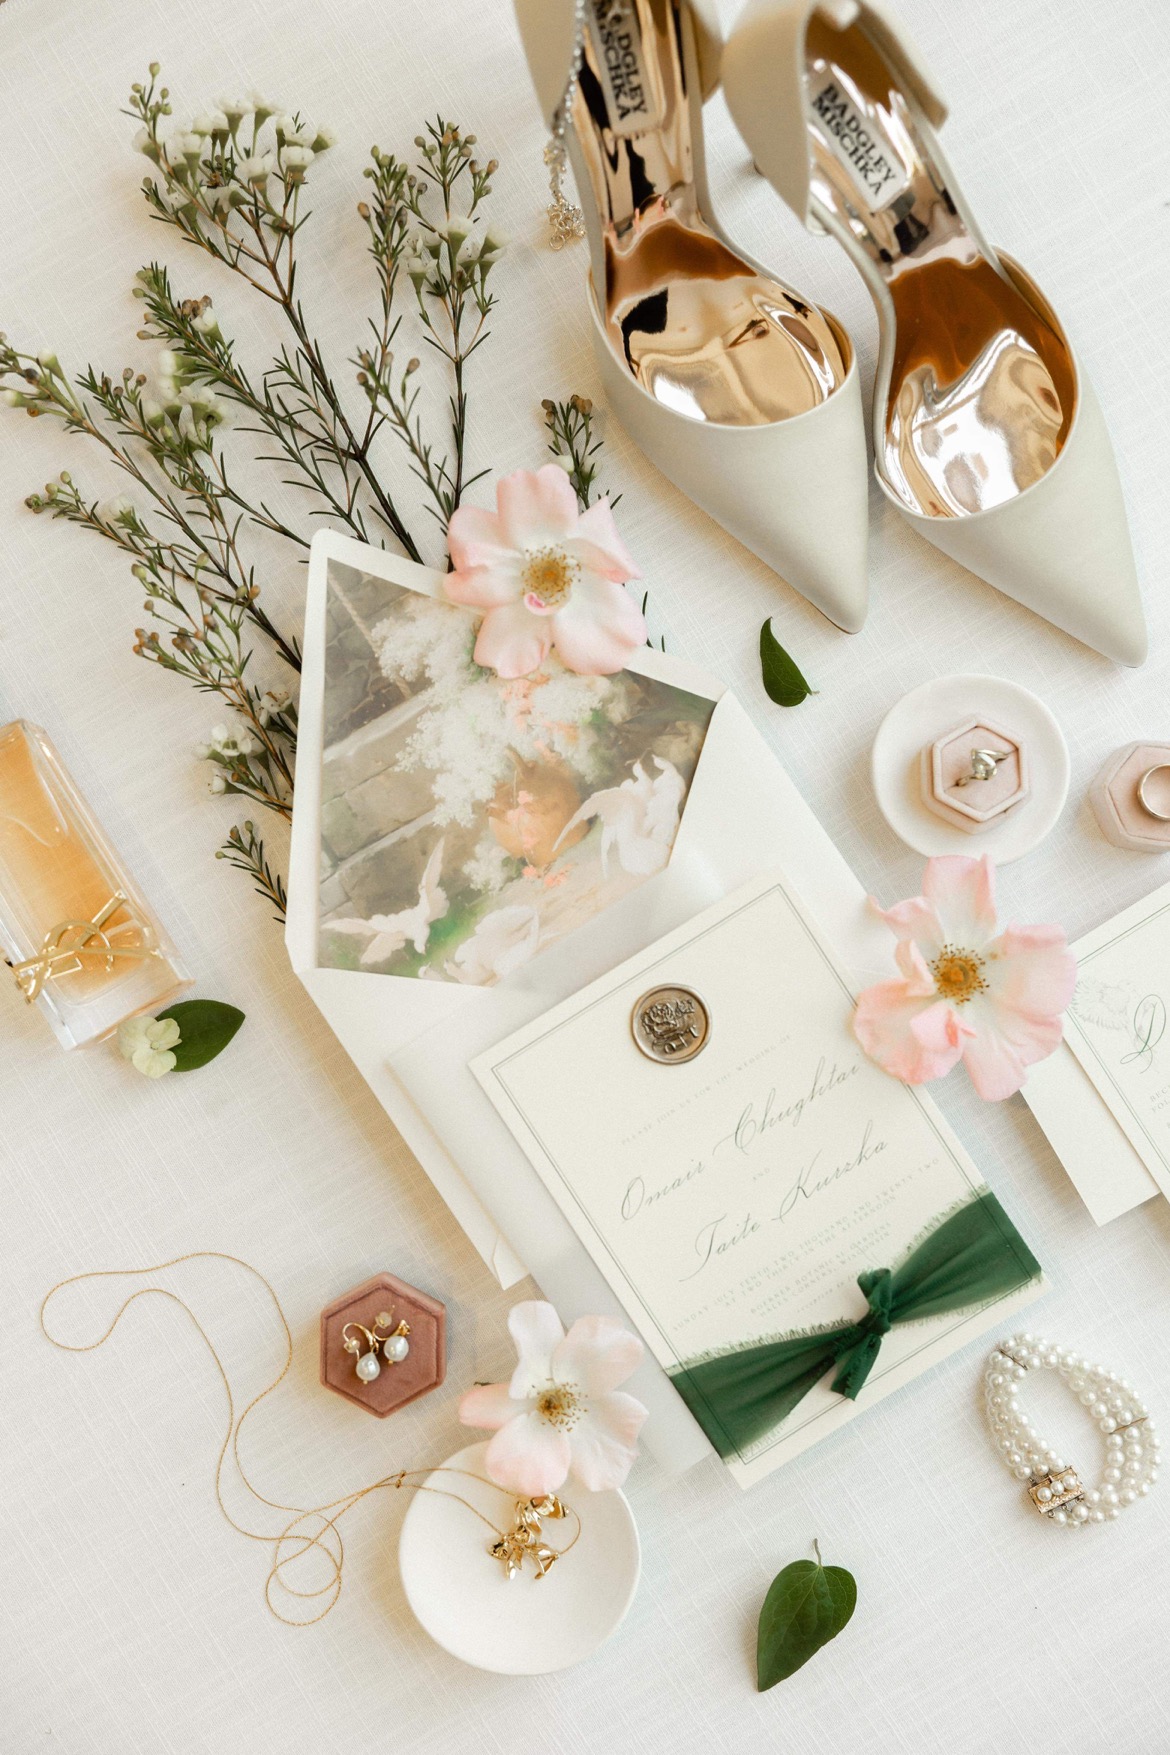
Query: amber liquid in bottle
column 58, row 876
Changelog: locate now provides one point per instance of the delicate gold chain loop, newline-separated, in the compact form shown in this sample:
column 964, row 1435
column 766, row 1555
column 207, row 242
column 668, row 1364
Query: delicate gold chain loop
column 322, row 1538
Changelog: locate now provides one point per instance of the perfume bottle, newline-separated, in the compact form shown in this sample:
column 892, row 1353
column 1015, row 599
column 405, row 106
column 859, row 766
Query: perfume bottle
column 81, row 940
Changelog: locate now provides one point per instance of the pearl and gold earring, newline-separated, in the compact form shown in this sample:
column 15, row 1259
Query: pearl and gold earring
column 394, row 1346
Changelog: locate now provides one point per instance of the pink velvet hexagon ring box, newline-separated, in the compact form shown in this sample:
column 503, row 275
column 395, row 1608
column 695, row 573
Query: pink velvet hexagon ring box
column 975, row 774
column 383, row 1344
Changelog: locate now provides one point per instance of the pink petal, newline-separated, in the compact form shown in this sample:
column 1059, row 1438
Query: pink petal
column 998, row 1056
column 962, row 892
column 1031, row 969
column 537, row 1331
column 485, row 587
column 1031, row 974
column 915, row 920
column 536, row 509
column 912, row 964
column 512, row 641
column 908, row 1036
column 605, row 1441
column 476, row 538
column 528, row 1456
column 597, row 545
column 489, row 1405
column 597, row 1354
column 598, row 628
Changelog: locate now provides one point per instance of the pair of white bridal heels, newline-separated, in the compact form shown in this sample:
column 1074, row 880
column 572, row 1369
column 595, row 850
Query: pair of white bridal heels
column 987, row 436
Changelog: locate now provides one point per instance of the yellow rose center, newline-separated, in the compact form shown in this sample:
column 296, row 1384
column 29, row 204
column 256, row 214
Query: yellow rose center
column 549, row 575
column 560, row 1405
column 958, row 974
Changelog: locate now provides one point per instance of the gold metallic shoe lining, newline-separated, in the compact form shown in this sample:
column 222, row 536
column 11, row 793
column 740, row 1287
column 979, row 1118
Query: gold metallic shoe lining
column 696, row 325
column 982, row 388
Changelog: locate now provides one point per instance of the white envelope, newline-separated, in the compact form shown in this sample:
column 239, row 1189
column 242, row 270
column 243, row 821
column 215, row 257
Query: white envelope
column 412, row 1040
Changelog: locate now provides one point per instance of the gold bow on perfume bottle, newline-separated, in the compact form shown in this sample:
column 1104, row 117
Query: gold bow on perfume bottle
column 83, row 943
column 65, row 944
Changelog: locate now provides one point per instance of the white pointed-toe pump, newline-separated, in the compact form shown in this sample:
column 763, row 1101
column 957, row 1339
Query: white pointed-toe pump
column 987, row 436
column 744, row 393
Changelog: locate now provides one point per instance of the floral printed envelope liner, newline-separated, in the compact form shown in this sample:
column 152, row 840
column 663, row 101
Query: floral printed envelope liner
column 468, row 822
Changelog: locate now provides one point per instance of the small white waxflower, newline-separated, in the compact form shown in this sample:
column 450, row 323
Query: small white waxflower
column 295, row 158
column 206, row 323
column 272, row 702
column 562, row 462
column 118, row 510
column 48, row 359
column 257, row 169
column 185, row 145
column 323, row 140
column 284, row 124
column 213, row 122
column 148, row 1044
column 298, row 137
column 144, row 142
column 261, row 107
column 494, row 240
column 234, row 109
column 202, row 752
column 456, row 232
column 13, row 398
column 219, row 196
column 217, row 784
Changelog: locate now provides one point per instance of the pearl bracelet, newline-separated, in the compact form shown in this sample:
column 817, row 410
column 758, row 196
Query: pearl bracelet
column 1056, row 1489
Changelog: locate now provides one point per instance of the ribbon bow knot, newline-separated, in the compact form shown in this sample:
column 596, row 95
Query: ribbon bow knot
column 856, row 1349
column 974, row 1256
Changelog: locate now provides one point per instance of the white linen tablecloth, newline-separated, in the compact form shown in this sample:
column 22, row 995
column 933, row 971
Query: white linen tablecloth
column 133, row 1618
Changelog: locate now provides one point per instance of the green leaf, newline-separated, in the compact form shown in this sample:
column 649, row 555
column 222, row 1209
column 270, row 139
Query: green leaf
column 206, row 1026
column 783, row 681
column 807, row 1605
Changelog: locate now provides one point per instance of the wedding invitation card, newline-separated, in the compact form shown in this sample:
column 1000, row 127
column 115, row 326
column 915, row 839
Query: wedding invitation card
column 794, row 1233
column 1116, row 1025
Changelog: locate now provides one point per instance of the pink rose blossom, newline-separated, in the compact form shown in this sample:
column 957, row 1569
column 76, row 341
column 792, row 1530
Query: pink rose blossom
column 968, row 991
column 562, row 1410
column 546, row 574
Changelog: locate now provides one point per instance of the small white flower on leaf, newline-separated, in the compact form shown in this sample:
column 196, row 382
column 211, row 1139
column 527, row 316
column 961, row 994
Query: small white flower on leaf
column 390, row 933
column 148, row 1044
column 502, row 941
column 640, row 818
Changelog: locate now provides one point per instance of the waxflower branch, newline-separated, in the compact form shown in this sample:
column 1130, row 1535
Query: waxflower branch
column 574, row 443
column 448, row 263
column 232, row 182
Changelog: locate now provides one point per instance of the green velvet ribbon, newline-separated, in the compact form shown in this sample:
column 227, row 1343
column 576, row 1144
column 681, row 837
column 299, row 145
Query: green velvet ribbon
column 973, row 1258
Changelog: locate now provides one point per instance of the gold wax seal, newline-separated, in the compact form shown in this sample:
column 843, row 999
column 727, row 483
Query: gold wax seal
column 670, row 1024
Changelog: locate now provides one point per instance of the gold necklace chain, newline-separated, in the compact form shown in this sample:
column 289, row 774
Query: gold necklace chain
column 321, row 1536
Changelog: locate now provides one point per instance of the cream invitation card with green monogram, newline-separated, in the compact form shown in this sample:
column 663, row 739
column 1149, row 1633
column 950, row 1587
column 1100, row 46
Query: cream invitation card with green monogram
column 794, row 1233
